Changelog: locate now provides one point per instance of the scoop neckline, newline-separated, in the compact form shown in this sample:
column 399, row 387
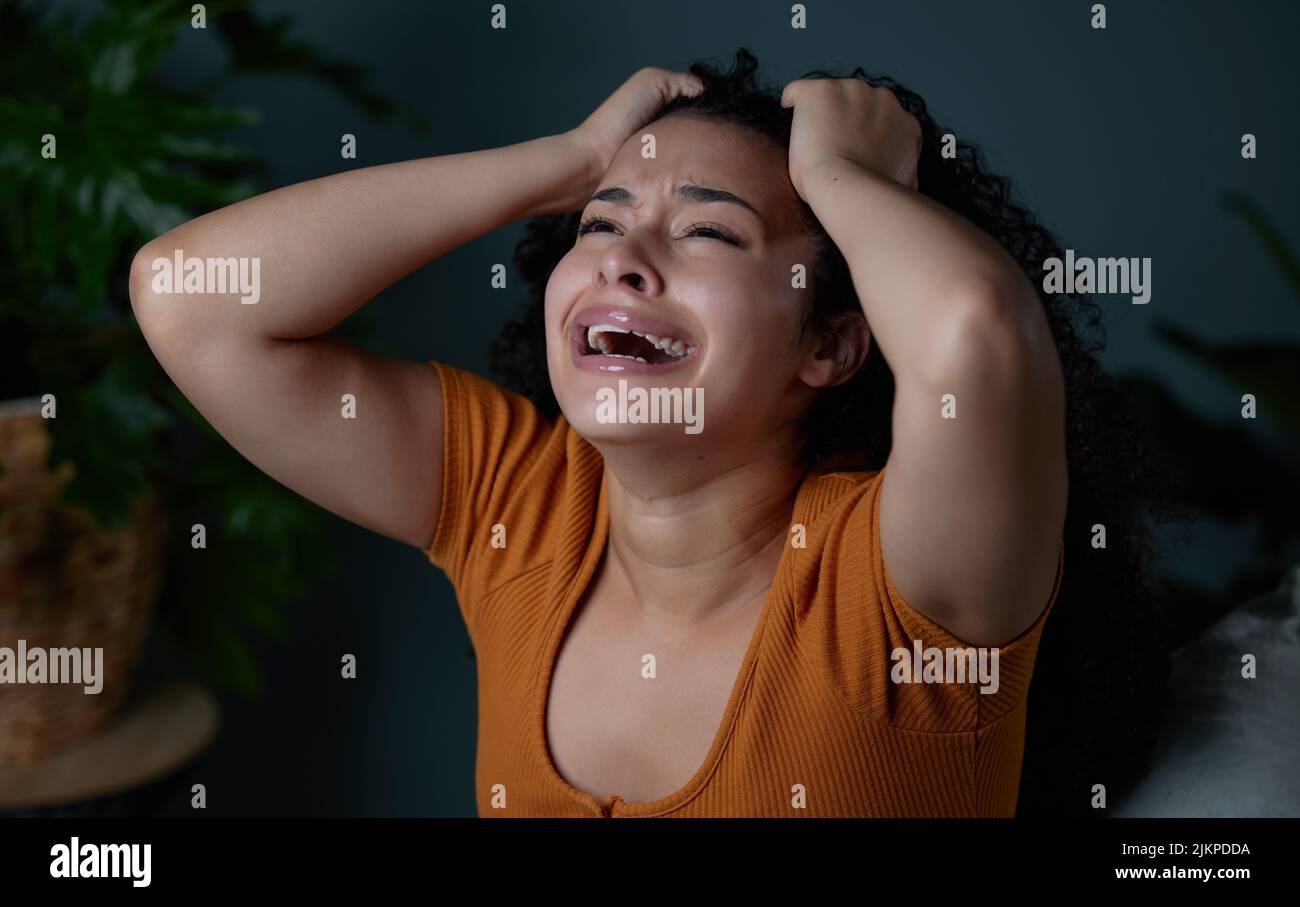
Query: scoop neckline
column 615, row 804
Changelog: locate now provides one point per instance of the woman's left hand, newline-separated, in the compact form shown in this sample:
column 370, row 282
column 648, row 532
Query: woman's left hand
column 847, row 119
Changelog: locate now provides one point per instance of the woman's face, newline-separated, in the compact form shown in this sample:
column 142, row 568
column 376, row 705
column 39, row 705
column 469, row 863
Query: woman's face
column 686, row 260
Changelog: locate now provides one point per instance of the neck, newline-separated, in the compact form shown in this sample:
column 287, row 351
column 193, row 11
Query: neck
column 698, row 548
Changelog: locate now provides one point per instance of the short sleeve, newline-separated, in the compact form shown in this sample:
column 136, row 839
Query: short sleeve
column 896, row 664
column 499, row 461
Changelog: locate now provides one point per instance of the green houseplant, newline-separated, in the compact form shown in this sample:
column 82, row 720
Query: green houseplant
column 1232, row 471
column 97, row 156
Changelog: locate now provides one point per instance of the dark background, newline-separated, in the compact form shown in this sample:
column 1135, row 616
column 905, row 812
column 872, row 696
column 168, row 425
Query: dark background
column 1122, row 141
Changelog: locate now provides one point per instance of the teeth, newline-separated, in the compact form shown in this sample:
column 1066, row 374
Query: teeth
column 596, row 340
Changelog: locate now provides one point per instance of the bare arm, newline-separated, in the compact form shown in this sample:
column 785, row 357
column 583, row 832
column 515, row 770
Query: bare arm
column 973, row 506
column 266, row 377
column 270, row 381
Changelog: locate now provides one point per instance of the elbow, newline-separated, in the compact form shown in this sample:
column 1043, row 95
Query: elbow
column 155, row 313
column 143, row 299
column 997, row 333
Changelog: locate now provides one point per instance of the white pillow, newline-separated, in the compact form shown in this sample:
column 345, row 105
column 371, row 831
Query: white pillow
column 1230, row 746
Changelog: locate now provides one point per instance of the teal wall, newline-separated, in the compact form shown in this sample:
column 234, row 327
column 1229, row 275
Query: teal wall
column 1122, row 141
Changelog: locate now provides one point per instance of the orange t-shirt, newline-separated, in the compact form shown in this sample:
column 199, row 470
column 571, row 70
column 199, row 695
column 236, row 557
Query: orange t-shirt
column 814, row 725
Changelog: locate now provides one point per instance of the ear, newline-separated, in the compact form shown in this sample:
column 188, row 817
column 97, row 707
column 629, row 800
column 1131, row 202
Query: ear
column 839, row 352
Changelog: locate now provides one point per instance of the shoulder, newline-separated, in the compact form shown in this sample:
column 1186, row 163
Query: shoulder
column 516, row 484
column 856, row 628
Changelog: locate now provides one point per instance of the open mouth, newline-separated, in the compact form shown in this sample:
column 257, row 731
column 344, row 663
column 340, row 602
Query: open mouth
column 625, row 343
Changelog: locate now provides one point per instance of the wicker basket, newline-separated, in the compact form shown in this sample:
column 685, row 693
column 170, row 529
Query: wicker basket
column 64, row 582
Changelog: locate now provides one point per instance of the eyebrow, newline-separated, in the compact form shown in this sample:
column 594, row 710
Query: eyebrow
column 617, row 195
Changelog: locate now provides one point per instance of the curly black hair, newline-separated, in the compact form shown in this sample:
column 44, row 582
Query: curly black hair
column 1099, row 685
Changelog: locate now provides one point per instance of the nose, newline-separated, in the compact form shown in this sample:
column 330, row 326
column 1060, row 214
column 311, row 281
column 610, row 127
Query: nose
column 626, row 266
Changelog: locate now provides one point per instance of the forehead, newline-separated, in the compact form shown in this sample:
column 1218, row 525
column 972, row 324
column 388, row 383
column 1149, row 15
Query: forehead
column 709, row 153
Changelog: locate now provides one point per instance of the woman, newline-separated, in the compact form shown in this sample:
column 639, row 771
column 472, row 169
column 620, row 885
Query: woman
column 733, row 613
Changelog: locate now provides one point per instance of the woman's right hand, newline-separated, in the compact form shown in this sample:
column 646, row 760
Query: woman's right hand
column 627, row 110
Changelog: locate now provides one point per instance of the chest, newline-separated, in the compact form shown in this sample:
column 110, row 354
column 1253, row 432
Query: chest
column 632, row 710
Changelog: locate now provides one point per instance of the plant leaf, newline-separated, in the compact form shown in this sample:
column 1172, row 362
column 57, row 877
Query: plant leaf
column 1270, row 236
column 1269, row 371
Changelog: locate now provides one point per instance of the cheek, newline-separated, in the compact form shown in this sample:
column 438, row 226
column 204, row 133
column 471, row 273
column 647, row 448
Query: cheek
column 751, row 318
column 567, row 281
column 561, row 287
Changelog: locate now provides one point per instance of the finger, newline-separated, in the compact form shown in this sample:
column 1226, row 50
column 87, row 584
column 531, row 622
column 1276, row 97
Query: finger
column 681, row 84
column 791, row 93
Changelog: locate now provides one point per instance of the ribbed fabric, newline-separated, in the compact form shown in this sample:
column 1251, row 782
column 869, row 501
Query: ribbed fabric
column 814, row 725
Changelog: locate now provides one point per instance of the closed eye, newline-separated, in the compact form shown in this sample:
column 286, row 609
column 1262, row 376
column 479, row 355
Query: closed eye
column 700, row 229
column 592, row 224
